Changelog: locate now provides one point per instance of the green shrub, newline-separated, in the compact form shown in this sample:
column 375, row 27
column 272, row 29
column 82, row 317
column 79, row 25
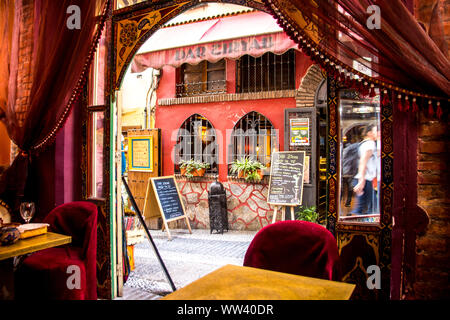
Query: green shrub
column 248, row 167
column 307, row 214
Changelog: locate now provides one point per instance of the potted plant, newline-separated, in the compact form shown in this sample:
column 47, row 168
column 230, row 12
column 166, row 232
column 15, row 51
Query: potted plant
column 192, row 168
column 250, row 170
column 307, row 214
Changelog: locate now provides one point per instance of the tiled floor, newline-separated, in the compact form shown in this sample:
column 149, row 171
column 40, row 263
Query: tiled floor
column 187, row 257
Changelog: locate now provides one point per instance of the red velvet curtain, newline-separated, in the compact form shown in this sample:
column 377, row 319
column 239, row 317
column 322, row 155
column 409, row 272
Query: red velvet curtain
column 55, row 71
column 399, row 55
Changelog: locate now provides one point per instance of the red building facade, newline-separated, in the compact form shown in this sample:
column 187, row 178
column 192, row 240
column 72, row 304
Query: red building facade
column 224, row 109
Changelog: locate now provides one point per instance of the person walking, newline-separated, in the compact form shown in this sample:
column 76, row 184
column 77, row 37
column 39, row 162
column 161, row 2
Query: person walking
column 367, row 171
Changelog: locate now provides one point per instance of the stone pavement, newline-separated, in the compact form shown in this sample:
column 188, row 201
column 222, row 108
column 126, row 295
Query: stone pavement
column 187, row 257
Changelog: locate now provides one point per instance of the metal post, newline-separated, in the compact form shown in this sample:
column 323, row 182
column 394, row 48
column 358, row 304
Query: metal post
column 141, row 219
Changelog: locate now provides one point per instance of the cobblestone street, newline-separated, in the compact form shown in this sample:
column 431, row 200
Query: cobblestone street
column 187, row 258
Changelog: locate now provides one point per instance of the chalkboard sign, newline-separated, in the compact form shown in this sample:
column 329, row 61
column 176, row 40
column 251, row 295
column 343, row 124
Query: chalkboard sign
column 169, row 199
column 163, row 197
column 286, row 178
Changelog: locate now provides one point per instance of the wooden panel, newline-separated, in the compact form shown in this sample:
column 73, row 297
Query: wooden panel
column 138, row 181
column 358, row 251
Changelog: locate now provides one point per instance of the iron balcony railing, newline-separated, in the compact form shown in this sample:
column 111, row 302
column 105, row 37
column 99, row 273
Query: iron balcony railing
column 193, row 89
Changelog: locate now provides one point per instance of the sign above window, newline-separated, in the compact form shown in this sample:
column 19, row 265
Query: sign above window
column 231, row 48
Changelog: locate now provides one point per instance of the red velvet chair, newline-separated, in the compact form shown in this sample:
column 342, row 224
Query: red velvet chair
column 44, row 274
column 296, row 247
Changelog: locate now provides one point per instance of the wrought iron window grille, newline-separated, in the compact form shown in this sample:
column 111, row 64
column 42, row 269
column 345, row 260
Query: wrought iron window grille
column 197, row 140
column 254, row 137
column 270, row 72
column 201, row 88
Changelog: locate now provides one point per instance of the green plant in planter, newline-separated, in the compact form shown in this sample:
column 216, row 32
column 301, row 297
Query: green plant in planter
column 193, row 165
column 307, row 214
column 247, row 168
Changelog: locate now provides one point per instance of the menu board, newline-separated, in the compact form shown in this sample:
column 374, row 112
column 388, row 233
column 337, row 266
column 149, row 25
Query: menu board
column 164, row 199
column 168, row 197
column 286, row 178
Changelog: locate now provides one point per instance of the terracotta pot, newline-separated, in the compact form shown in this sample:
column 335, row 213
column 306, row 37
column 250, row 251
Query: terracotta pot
column 195, row 173
column 241, row 174
column 199, row 172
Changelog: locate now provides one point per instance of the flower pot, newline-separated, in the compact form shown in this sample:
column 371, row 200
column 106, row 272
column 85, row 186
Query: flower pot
column 241, row 174
column 199, row 172
column 195, row 173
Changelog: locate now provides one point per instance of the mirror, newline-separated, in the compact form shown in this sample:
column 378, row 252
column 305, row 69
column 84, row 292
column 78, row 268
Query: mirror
column 360, row 157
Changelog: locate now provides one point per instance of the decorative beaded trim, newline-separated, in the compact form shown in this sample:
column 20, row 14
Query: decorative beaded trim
column 79, row 86
column 341, row 70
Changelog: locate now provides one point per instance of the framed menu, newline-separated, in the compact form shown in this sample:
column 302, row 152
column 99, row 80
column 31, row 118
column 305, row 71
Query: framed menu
column 140, row 153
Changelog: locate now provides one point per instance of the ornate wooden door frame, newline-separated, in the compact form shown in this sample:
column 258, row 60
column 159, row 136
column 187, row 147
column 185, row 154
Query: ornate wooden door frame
column 133, row 25
column 130, row 28
column 362, row 245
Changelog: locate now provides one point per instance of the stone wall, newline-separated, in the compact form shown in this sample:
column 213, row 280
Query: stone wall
column 246, row 203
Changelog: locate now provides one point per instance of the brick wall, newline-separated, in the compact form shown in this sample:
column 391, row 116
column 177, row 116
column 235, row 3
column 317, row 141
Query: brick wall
column 24, row 74
column 433, row 156
column 25, row 54
column 432, row 247
column 306, row 92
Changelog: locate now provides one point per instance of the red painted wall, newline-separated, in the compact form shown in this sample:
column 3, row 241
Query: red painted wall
column 222, row 115
column 302, row 64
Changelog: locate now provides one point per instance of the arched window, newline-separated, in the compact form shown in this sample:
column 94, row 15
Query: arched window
column 196, row 140
column 253, row 136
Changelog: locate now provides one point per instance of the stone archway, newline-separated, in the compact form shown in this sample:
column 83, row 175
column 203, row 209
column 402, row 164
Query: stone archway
column 306, row 93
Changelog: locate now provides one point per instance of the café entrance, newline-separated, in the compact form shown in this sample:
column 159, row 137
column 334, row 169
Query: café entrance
column 319, row 116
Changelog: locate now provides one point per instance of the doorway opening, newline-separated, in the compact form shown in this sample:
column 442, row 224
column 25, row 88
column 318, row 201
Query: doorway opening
column 159, row 99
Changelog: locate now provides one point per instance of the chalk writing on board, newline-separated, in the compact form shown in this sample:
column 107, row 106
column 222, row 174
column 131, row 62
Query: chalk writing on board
column 286, row 178
column 169, row 199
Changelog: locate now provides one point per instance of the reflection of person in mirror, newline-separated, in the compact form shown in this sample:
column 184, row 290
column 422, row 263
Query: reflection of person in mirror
column 367, row 172
column 377, row 180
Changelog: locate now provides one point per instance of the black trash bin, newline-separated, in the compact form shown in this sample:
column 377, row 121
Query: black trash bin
column 218, row 214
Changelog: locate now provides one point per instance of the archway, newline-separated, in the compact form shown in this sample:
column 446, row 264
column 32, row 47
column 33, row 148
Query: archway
column 133, row 25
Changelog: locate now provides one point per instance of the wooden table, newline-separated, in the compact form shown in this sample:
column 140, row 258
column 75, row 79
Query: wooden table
column 22, row 247
column 244, row 283
column 25, row 246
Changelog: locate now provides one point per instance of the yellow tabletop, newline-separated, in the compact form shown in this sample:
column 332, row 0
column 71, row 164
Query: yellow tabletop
column 244, row 283
column 24, row 246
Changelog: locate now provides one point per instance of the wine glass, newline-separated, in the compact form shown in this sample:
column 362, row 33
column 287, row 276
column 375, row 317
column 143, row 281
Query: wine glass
column 27, row 211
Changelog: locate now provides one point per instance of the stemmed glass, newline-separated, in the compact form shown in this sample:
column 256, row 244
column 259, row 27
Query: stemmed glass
column 27, row 211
